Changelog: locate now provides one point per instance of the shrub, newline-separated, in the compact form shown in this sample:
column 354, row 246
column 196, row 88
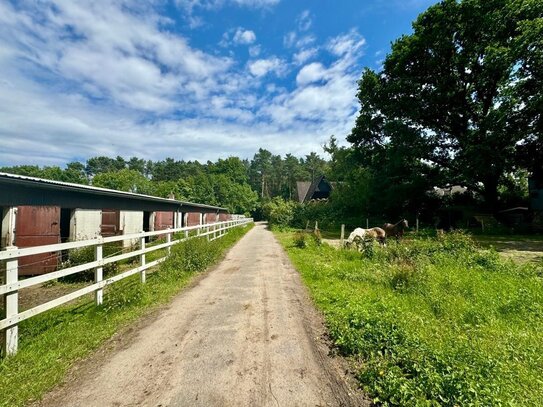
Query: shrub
column 279, row 212
column 299, row 240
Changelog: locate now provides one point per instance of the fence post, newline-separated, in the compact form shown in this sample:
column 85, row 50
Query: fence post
column 316, row 225
column 367, row 223
column 417, row 223
column 99, row 273
column 342, row 238
column 10, row 336
column 142, row 259
column 169, row 240
column 207, row 233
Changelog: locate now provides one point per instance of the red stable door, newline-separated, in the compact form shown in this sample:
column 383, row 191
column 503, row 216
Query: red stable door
column 37, row 226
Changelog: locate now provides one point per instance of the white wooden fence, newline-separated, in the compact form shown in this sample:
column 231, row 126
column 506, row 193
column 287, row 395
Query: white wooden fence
column 11, row 283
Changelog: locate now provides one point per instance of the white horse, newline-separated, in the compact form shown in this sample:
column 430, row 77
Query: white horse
column 360, row 235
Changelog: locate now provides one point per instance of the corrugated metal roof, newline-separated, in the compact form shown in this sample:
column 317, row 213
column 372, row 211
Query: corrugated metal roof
column 60, row 185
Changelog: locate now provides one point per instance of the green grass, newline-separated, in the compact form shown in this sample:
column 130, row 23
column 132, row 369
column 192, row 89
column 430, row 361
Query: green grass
column 432, row 321
column 52, row 342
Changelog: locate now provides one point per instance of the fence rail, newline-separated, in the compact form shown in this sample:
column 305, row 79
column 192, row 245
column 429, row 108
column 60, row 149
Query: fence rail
column 11, row 283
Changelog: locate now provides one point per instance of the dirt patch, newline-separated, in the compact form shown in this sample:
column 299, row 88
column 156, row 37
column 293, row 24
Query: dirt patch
column 517, row 248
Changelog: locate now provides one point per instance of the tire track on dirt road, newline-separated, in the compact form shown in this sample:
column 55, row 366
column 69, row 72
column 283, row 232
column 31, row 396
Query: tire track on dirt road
column 245, row 335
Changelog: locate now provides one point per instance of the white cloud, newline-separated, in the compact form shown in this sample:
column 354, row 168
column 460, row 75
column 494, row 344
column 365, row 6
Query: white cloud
column 325, row 98
column 262, row 67
column 79, row 79
column 254, row 51
column 190, row 5
column 304, row 21
column 304, row 55
column 349, row 43
column 292, row 39
column 243, row 36
column 311, row 73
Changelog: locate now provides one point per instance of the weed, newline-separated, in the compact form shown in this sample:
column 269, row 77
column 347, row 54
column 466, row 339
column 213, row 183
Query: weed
column 299, row 240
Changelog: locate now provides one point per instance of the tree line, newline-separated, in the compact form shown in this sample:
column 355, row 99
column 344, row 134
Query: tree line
column 237, row 184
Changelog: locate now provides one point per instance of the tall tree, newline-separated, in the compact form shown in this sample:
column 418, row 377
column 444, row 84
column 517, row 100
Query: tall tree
column 315, row 165
column 452, row 94
column 261, row 171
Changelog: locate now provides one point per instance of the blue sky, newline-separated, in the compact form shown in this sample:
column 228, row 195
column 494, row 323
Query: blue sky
column 188, row 79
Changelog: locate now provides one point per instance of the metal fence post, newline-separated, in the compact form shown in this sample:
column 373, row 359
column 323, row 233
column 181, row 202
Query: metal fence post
column 99, row 273
column 142, row 259
column 169, row 240
column 342, row 239
column 10, row 336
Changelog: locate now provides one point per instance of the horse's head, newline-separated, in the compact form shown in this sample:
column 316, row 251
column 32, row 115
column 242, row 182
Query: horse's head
column 404, row 223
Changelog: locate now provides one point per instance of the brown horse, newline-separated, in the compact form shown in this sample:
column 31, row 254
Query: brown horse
column 395, row 230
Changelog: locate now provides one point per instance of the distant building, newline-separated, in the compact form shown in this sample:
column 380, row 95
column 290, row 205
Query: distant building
column 319, row 189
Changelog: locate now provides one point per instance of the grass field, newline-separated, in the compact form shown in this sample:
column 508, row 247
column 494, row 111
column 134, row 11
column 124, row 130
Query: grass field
column 52, row 342
column 431, row 321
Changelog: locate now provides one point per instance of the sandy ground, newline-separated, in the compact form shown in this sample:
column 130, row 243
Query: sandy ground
column 245, row 335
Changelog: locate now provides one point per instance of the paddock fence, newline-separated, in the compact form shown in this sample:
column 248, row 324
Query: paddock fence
column 11, row 284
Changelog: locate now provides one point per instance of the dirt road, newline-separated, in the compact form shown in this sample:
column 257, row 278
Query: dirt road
column 245, row 335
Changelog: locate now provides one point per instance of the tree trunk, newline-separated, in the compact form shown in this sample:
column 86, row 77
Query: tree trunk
column 490, row 194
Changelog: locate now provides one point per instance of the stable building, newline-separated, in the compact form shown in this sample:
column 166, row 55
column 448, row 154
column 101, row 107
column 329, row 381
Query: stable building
column 39, row 212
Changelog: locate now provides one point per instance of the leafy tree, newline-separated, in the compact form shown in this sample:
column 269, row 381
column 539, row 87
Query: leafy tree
column 137, row 164
column 293, row 173
column 75, row 172
column 314, row 165
column 97, row 165
column 261, row 168
column 232, row 167
column 457, row 95
column 123, row 180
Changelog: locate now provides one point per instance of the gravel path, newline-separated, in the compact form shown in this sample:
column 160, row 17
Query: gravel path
column 245, row 335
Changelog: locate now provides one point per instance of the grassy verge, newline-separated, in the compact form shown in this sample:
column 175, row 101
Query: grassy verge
column 431, row 321
column 52, row 342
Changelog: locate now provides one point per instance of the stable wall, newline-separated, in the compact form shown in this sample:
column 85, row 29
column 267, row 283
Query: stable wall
column 85, row 224
column 131, row 222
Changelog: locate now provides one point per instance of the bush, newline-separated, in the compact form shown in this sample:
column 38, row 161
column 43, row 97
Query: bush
column 299, row 240
column 279, row 212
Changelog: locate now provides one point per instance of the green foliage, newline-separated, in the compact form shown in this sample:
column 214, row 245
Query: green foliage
column 432, row 321
column 74, row 172
column 123, row 180
column 86, row 255
column 300, row 240
column 451, row 104
column 279, row 212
